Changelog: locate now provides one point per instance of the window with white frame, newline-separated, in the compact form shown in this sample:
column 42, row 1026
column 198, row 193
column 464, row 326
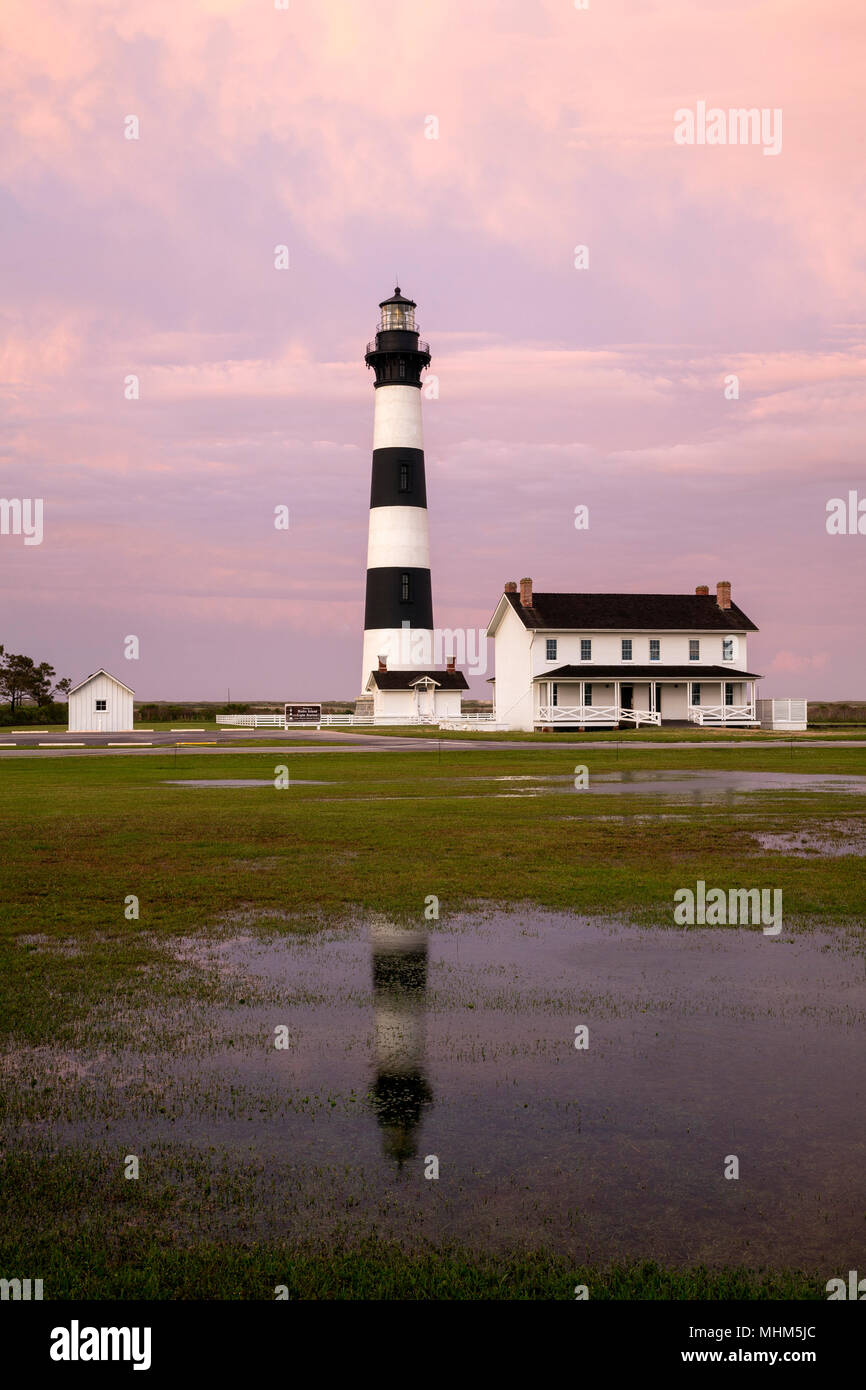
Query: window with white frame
column 727, row 649
column 655, row 649
column 694, row 649
column 587, row 694
column 102, row 704
column 550, row 648
column 555, row 694
column 585, row 649
column 729, row 692
column 696, row 694
column 626, row 649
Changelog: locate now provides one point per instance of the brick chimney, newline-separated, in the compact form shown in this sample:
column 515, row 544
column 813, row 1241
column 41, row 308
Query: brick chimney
column 526, row 593
column 511, row 587
column 723, row 593
column 451, row 663
column 702, row 589
column 383, row 663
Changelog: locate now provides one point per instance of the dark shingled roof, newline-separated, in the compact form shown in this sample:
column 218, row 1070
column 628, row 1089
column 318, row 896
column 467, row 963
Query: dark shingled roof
column 404, row 680
column 653, row 612
column 656, row 671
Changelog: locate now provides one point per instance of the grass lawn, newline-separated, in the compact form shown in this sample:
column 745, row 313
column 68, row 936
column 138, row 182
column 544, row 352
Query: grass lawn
column 382, row 833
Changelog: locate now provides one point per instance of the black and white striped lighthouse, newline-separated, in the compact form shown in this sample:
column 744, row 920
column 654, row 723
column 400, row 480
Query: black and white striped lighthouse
column 398, row 616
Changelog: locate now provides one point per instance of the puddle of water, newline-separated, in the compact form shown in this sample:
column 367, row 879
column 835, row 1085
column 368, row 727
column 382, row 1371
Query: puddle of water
column 830, row 840
column 716, row 782
column 459, row 1042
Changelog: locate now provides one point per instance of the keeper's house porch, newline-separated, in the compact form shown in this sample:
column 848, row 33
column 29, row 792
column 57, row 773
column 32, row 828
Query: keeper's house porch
column 588, row 696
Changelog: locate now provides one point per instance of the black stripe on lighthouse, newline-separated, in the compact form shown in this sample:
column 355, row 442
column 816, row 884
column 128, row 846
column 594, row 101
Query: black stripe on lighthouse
column 398, row 478
column 398, row 595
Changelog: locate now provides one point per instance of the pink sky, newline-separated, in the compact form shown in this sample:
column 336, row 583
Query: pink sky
column 558, row 387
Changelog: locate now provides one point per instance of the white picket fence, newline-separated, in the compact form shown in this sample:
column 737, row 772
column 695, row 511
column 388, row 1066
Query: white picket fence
column 327, row 721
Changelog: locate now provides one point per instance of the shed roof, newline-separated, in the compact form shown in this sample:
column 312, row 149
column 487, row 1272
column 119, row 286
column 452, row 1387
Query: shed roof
column 101, row 672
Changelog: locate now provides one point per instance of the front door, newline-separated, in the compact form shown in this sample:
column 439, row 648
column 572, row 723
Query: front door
column 626, row 697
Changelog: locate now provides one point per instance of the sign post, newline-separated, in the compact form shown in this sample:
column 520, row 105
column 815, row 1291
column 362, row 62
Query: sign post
column 303, row 714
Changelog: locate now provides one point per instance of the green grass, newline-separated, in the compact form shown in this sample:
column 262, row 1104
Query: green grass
column 80, row 835
column 387, row 829
column 89, row 1234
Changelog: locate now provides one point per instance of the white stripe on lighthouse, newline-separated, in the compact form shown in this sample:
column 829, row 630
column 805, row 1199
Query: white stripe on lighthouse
column 397, row 418
column 399, row 537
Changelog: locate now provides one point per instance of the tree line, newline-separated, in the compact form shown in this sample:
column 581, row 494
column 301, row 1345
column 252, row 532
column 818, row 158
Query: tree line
column 23, row 682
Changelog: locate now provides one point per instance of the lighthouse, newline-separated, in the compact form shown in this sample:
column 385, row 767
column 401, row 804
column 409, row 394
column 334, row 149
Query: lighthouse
column 398, row 614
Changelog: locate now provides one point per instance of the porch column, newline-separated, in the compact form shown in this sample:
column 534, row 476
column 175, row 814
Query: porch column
column 582, row 700
column 689, row 701
column 616, row 700
column 723, row 706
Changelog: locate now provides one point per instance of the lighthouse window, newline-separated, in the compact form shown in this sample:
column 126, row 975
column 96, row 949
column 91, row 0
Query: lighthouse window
column 405, row 477
column 405, row 588
column 402, row 368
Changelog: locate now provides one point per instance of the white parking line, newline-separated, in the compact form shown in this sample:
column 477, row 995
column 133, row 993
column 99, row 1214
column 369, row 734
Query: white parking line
column 60, row 745
column 186, row 730
column 121, row 745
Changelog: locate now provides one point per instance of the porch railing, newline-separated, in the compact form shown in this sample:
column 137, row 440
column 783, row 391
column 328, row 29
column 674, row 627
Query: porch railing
column 595, row 714
column 722, row 714
column 577, row 714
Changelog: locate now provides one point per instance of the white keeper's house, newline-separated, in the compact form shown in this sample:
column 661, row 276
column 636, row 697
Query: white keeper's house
column 590, row 660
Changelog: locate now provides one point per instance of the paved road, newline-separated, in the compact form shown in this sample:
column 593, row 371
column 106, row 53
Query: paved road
column 143, row 744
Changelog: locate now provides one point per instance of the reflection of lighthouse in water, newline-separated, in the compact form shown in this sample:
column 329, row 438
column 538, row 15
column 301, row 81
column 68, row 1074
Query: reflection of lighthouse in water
column 400, row 1093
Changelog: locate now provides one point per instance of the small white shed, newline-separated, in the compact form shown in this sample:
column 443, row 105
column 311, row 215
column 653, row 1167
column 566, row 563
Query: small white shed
column 101, row 704
column 425, row 696
column 782, row 714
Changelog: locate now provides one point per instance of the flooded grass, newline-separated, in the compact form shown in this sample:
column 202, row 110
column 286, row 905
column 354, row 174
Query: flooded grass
column 459, row 1043
column 404, row 1039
